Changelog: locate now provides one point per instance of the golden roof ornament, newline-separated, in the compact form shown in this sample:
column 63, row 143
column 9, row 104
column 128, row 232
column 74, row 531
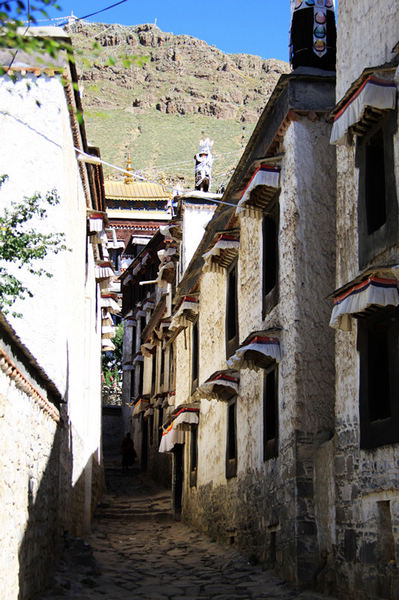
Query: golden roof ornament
column 128, row 175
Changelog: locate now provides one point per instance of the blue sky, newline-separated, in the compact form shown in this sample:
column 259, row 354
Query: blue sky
column 254, row 26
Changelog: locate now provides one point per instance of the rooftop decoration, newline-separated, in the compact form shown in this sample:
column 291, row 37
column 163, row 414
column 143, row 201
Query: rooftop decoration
column 128, row 175
column 362, row 297
column 313, row 35
column 203, row 166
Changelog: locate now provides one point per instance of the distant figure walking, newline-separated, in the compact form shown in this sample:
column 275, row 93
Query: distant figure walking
column 128, row 452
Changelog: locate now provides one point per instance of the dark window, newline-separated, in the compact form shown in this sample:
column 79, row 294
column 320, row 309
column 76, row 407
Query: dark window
column 133, row 295
column 142, row 325
column 270, row 413
column 231, row 312
column 134, row 342
column 162, row 368
column 151, row 426
column 154, row 373
column 375, row 182
column 132, row 378
column 270, row 261
column 231, row 442
column 194, row 356
column 378, row 344
column 160, row 423
column 193, row 454
column 171, row 368
column 140, row 379
column 377, row 205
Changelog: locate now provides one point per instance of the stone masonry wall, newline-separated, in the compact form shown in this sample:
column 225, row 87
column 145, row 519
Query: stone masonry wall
column 366, row 480
column 29, row 488
column 363, row 478
column 367, row 33
column 269, row 509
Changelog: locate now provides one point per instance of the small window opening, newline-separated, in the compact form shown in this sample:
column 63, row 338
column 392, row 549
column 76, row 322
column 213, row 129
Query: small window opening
column 231, row 312
column 141, row 379
column 270, row 414
column 193, row 454
column 269, row 254
column 134, row 341
column 153, row 373
column 273, row 554
column 375, row 182
column 142, row 324
column 160, row 423
column 151, row 426
column 231, row 449
column 378, row 374
column 195, row 356
column 162, row 369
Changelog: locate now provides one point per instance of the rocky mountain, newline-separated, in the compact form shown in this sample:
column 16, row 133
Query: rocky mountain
column 155, row 95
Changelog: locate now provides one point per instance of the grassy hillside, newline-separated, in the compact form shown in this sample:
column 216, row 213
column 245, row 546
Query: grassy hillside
column 155, row 95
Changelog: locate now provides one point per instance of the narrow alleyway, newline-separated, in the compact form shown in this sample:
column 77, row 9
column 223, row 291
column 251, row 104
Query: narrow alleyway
column 136, row 551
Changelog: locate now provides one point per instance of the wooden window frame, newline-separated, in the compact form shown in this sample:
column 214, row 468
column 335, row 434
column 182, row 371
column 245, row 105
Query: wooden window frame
column 154, row 373
column 373, row 242
column 233, row 340
column 270, row 295
column 270, row 411
column 195, row 355
column 231, row 438
column 378, row 347
column 193, row 454
column 172, row 370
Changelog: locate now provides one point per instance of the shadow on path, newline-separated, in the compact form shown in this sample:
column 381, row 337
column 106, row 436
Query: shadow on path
column 137, row 551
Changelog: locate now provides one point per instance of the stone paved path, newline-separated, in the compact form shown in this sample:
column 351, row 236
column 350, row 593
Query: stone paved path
column 137, row 552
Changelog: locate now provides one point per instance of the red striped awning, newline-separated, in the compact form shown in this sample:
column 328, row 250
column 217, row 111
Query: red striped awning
column 257, row 351
column 374, row 291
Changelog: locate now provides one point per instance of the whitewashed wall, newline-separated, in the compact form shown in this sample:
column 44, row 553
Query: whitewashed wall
column 61, row 324
column 367, row 32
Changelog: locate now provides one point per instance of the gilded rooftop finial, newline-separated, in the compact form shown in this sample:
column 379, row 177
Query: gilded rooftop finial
column 128, row 176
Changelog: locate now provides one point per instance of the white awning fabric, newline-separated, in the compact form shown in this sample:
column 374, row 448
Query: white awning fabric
column 96, row 224
column 108, row 331
column 220, row 383
column 104, row 270
column 107, row 345
column 106, row 320
column 148, row 413
column 374, row 291
column 376, row 93
column 108, row 301
column 256, row 352
column 226, row 244
column 174, row 434
column 148, row 305
column 266, row 175
column 170, row 438
column 187, row 309
column 141, row 406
